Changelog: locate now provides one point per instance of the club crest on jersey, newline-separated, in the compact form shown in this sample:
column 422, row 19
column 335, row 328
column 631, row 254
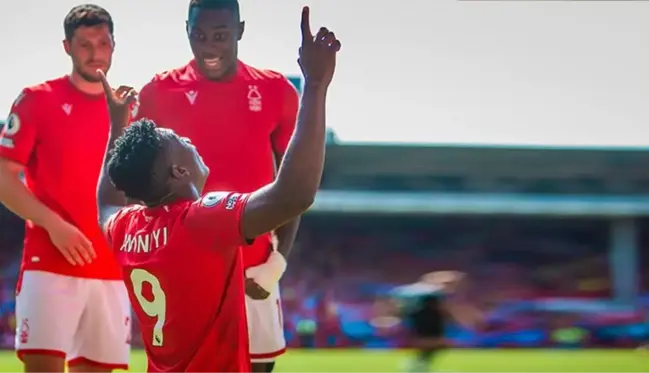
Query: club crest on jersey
column 254, row 98
column 212, row 199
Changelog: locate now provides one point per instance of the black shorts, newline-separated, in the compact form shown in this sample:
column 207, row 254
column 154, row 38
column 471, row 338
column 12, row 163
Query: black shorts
column 429, row 320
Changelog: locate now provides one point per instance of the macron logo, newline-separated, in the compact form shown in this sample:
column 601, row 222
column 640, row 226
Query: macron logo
column 67, row 108
column 191, row 96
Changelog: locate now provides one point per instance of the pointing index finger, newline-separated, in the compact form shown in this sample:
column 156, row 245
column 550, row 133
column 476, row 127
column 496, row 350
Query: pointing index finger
column 104, row 82
column 306, row 25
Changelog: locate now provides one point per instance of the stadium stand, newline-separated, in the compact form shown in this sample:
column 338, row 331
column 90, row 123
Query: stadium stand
column 534, row 228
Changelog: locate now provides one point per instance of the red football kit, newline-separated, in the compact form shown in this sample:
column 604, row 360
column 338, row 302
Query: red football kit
column 183, row 270
column 59, row 134
column 236, row 125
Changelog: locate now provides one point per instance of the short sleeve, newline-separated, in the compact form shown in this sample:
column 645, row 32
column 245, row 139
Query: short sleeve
column 216, row 219
column 18, row 136
column 288, row 116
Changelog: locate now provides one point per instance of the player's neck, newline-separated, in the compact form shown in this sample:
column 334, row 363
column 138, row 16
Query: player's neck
column 171, row 198
column 227, row 76
column 90, row 88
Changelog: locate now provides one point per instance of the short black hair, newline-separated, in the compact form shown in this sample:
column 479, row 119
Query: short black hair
column 133, row 158
column 231, row 5
column 87, row 15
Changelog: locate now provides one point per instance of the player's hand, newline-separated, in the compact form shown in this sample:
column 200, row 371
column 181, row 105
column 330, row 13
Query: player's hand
column 317, row 54
column 120, row 101
column 254, row 291
column 73, row 244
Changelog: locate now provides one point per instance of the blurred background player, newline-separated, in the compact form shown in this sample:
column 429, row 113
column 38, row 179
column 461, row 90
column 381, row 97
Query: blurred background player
column 426, row 307
column 88, row 324
column 240, row 119
column 177, row 240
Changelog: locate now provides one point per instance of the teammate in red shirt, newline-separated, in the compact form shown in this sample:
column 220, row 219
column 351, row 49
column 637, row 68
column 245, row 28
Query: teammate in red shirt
column 233, row 111
column 180, row 253
column 71, row 303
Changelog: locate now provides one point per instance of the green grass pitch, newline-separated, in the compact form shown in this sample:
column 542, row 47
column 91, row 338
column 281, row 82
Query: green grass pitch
column 449, row 361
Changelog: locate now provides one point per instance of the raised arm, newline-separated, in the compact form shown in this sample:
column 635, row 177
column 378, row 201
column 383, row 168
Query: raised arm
column 109, row 199
column 298, row 178
column 280, row 138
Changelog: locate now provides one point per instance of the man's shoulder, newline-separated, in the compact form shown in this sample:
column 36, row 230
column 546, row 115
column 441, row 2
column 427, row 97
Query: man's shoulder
column 254, row 75
column 42, row 91
column 180, row 75
column 127, row 213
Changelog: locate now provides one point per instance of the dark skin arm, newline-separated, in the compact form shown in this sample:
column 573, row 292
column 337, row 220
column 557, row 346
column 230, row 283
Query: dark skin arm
column 109, row 199
column 279, row 205
column 286, row 233
column 285, row 239
column 300, row 173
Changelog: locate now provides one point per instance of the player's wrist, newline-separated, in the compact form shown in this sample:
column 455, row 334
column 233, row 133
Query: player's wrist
column 315, row 87
column 47, row 219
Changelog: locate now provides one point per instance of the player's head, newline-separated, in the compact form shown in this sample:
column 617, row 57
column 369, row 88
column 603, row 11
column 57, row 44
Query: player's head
column 154, row 165
column 214, row 28
column 449, row 280
column 89, row 40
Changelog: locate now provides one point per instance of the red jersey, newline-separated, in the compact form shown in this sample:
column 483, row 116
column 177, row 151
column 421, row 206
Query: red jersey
column 183, row 270
column 59, row 134
column 238, row 126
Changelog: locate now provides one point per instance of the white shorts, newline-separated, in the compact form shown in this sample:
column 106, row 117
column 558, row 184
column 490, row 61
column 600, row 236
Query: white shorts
column 265, row 328
column 86, row 321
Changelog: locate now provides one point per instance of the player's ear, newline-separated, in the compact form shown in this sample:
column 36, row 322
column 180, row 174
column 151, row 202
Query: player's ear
column 66, row 47
column 178, row 172
column 242, row 28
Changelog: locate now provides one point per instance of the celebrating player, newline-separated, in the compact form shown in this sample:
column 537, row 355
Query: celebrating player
column 180, row 253
column 240, row 119
column 70, row 302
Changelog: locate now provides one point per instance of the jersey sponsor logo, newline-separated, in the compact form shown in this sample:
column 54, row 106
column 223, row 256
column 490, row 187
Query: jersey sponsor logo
column 212, row 199
column 67, row 108
column 191, row 96
column 254, row 98
column 232, row 202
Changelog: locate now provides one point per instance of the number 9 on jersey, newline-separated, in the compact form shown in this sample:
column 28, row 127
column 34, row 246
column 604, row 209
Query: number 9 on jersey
column 156, row 307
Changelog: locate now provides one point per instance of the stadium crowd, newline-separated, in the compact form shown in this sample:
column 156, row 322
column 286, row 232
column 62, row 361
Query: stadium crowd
column 341, row 264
